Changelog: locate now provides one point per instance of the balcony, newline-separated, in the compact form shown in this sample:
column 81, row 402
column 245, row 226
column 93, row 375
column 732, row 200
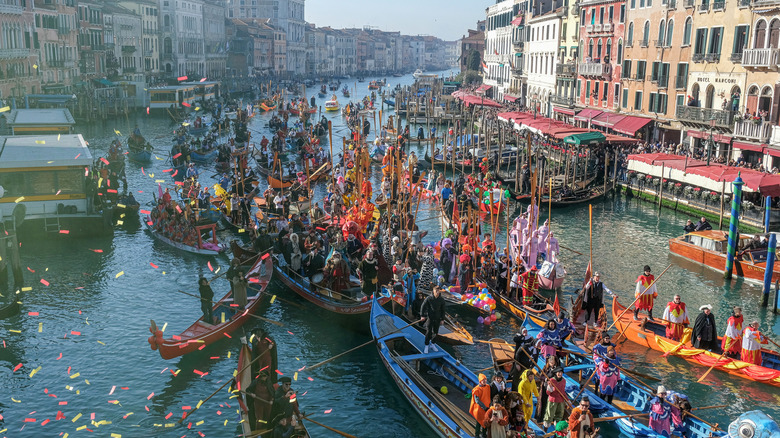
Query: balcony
column 69, row 64
column 589, row 28
column 644, row 43
column 736, row 57
column 597, row 27
column 681, row 82
column 639, row 77
column 662, row 81
column 568, row 69
column 148, row 53
column 689, row 3
column 594, row 69
column 712, row 57
column 775, row 138
column 761, row 58
column 719, row 5
column 765, row 3
column 698, row 57
column 14, row 53
column 671, row 4
column 705, row 116
column 11, row 9
column 519, row 40
column 563, row 101
column 749, row 129
column 704, row 7
column 660, row 42
column 608, row 27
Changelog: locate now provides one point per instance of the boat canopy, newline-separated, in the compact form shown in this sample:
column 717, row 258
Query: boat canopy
column 586, row 138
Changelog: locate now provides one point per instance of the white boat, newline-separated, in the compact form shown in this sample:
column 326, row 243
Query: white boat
column 417, row 73
column 332, row 104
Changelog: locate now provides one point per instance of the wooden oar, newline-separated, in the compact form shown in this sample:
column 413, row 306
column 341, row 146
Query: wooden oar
column 715, row 363
column 216, row 302
column 569, row 249
column 584, row 386
column 625, row 371
column 317, row 365
column 198, row 406
column 618, row 417
column 655, row 280
column 344, row 434
column 773, row 342
column 252, row 259
column 565, row 397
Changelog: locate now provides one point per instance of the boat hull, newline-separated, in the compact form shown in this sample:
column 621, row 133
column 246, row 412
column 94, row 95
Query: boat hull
column 203, row 158
column 141, row 156
column 717, row 261
column 181, row 246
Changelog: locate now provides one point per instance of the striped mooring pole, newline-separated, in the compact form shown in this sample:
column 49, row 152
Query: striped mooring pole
column 769, row 269
column 736, row 205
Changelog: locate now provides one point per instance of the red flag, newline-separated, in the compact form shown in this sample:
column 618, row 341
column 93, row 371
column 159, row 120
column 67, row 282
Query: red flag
column 455, row 214
column 588, row 272
column 495, row 51
column 556, row 305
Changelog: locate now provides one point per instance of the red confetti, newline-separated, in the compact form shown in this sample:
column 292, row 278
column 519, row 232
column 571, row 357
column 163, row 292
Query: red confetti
column 96, row 250
column 104, row 161
column 111, row 191
column 179, row 183
column 28, row 268
column 147, row 110
column 219, row 412
column 32, row 313
column 167, row 170
column 44, row 282
column 210, row 268
column 181, row 78
column 77, row 156
column 45, row 422
column 186, row 408
column 147, row 408
column 60, row 415
column 150, row 396
column 176, row 338
column 29, row 420
column 59, row 357
column 310, row 379
column 265, row 256
column 16, row 368
column 75, row 333
column 186, row 104
column 176, row 156
column 68, row 370
column 200, row 373
column 225, row 333
column 175, row 173
column 279, row 373
column 153, row 265
column 202, row 347
column 254, row 280
column 142, row 171
column 170, row 414
column 66, row 231
column 145, row 211
column 63, row 403
column 290, row 332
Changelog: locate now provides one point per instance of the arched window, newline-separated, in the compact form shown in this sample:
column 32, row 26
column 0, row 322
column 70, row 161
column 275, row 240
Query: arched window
column 167, row 20
column 661, row 32
column 765, row 101
column 620, row 52
column 752, row 99
column 598, row 52
column 759, row 42
column 581, row 50
column 630, row 37
column 609, row 50
column 590, row 49
column 687, row 32
column 669, row 33
column 774, row 33
column 646, row 33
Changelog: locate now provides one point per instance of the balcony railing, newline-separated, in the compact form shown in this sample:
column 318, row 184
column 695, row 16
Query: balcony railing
column 775, row 138
column 589, row 28
column 718, row 5
column 568, row 69
column 597, row 27
column 644, row 43
column 662, row 81
column 563, row 100
column 736, row 57
column 752, row 130
column 14, row 53
column 11, row 9
column 761, row 58
column 744, row 3
column 704, row 7
column 148, row 53
column 671, row 4
column 705, row 116
column 681, row 82
column 712, row 57
column 594, row 69
column 765, row 3
column 607, row 27
column 698, row 57
column 689, row 3
column 660, row 42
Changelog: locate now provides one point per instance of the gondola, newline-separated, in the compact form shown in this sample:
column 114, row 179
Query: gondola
column 585, row 196
column 203, row 156
column 450, row 331
column 203, row 248
column 653, row 335
column 493, row 208
column 422, row 376
column 276, row 183
column 630, row 397
column 230, row 318
column 539, row 314
column 10, row 309
column 347, row 302
column 140, row 155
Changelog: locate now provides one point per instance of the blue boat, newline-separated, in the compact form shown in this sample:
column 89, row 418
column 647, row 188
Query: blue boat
column 140, row 155
column 631, row 398
column 197, row 132
column 203, row 158
column 422, row 376
column 389, row 102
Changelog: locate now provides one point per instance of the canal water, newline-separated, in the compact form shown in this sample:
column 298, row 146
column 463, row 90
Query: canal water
column 82, row 344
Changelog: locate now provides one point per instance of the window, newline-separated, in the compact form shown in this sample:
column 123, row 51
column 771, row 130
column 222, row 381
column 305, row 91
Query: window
column 609, row 50
column 638, row 101
column 605, row 89
column 590, row 50
column 598, row 52
column 646, row 33
column 624, row 104
column 622, row 13
column 601, row 15
column 657, row 103
column 687, row 32
column 682, row 76
column 630, row 37
column 579, row 87
column 641, row 3
column 563, row 32
column 593, row 16
column 582, row 20
column 655, row 72
column 626, row 68
column 633, row 4
column 641, row 67
column 581, row 49
column 611, row 13
column 661, row 32
column 680, row 99
column 669, row 33
column 716, row 38
column 596, row 90
column 620, row 52
column 587, row 91
column 701, row 42
column 651, row 102
column 649, row 3
column 740, row 39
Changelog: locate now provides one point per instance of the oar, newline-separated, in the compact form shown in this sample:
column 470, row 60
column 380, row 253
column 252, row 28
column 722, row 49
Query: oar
column 715, row 363
column 565, row 397
column 575, row 252
column 618, row 417
column 773, row 342
column 344, row 434
column 198, row 406
column 317, row 365
column 587, row 382
column 655, row 280
column 252, row 259
column 216, row 302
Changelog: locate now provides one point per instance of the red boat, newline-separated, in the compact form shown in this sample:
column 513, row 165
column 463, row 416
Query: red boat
column 201, row 333
column 495, row 208
column 709, row 249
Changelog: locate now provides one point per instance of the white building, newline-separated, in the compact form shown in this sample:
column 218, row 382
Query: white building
column 287, row 15
column 498, row 48
column 123, row 35
column 541, row 51
column 214, row 35
column 182, row 37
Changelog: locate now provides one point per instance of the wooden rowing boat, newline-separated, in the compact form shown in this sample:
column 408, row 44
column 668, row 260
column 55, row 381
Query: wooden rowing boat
column 539, row 315
column 203, row 157
column 450, row 331
column 344, row 303
column 585, row 196
column 204, row 248
column 653, row 335
column 230, row 318
column 276, row 183
column 630, row 397
column 420, row 376
column 709, row 249
column 10, row 309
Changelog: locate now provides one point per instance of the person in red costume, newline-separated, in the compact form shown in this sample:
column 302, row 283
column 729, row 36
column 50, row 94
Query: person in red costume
column 646, row 293
column 676, row 316
column 752, row 339
column 732, row 339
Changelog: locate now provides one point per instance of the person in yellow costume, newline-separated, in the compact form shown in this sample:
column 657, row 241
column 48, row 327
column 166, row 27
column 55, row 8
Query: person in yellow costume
column 527, row 389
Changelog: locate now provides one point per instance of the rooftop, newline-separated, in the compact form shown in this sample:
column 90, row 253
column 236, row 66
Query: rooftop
column 40, row 117
column 44, row 151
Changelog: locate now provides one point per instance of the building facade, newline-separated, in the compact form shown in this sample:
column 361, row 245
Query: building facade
column 57, row 30
column 150, row 23
column 19, row 50
column 498, row 48
column 541, row 59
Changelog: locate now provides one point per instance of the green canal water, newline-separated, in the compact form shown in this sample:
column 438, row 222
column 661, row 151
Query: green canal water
column 86, row 333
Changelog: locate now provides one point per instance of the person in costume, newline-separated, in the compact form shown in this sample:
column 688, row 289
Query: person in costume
column 528, row 390
column 676, row 316
column 530, row 284
column 732, row 339
column 549, row 339
column 367, row 270
column 496, row 419
column 646, row 292
column 609, row 375
column 661, row 414
column 601, row 349
column 705, row 335
column 480, row 399
column 580, row 419
column 752, row 339
column 556, row 401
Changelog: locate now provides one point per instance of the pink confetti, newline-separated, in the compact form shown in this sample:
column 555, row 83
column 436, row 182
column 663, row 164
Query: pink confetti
column 59, row 357
column 145, row 212
column 142, row 171
column 290, row 332
column 150, row 396
column 28, row 268
column 167, row 170
column 310, row 379
column 44, row 282
column 181, row 78
column 68, row 370
column 104, row 161
column 45, row 422
column 32, row 313
column 210, row 267
column 153, row 265
column 75, row 333
column 225, row 333
column 64, row 232
column 176, row 156
column 96, row 250
column 77, row 156
column 329, row 411
column 170, row 414
column 186, row 104
column 16, row 368
column 279, row 373
column 203, row 80
column 200, row 373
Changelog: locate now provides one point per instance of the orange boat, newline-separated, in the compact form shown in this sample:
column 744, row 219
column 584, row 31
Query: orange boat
column 709, row 248
column 652, row 335
column 276, row 183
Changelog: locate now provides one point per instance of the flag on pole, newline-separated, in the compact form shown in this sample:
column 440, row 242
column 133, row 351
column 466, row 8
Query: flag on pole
column 556, row 305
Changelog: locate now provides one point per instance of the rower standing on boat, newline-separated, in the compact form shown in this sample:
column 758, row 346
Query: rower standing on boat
column 556, row 404
column 530, row 284
column 646, row 292
column 732, row 339
column 593, row 298
column 676, row 316
column 206, row 297
column 751, row 344
column 432, row 314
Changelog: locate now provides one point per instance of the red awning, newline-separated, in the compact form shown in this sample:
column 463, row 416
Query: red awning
column 720, row 138
column 586, row 114
column 510, row 98
column 483, row 88
column 630, row 125
column 749, row 146
column 517, row 21
column 470, row 99
column 567, row 111
column 611, row 138
column 773, row 152
column 607, row 120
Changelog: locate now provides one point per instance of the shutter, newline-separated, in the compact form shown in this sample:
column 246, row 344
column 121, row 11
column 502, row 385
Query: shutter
column 773, row 115
column 737, row 31
column 752, row 103
column 720, row 39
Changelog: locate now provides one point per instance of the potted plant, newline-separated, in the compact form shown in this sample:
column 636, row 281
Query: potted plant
column 696, row 192
column 678, row 188
column 688, row 191
column 714, row 196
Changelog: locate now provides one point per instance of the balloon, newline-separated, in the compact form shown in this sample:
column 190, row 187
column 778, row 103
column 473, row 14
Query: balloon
column 493, row 317
column 444, row 390
column 476, row 191
column 486, row 308
column 486, row 321
column 480, row 320
column 485, row 290
column 498, row 315
column 492, row 307
column 506, row 193
column 463, row 298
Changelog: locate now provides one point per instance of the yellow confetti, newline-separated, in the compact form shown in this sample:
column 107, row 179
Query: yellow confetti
column 297, row 358
column 32, row 373
column 121, row 273
column 3, row 431
column 117, row 132
column 101, row 342
column 40, row 141
column 40, row 327
column 295, row 376
column 122, row 216
column 87, row 381
column 185, row 124
column 128, row 414
column 229, row 354
column 35, row 66
column 81, row 427
column 120, row 222
column 5, row 108
column 157, row 158
column 198, row 407
column 87, row 321
column 159, row 180
column 225, row 423
column 76, row 418
column 273, row 298
column 69, row 388
column 73, row 376
column 241, row 230
column 116, row 435
column 218, row 269
column 58, row 137
column 164, row 325
column 15, row 331
column 223, row 317
column 15, row 400
column 170, row 424
column 19, row 199
column 64, row 436
column 121, row 205
column 78, row 392
column 26, row 289
column 151, row 175
column 197, row 108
